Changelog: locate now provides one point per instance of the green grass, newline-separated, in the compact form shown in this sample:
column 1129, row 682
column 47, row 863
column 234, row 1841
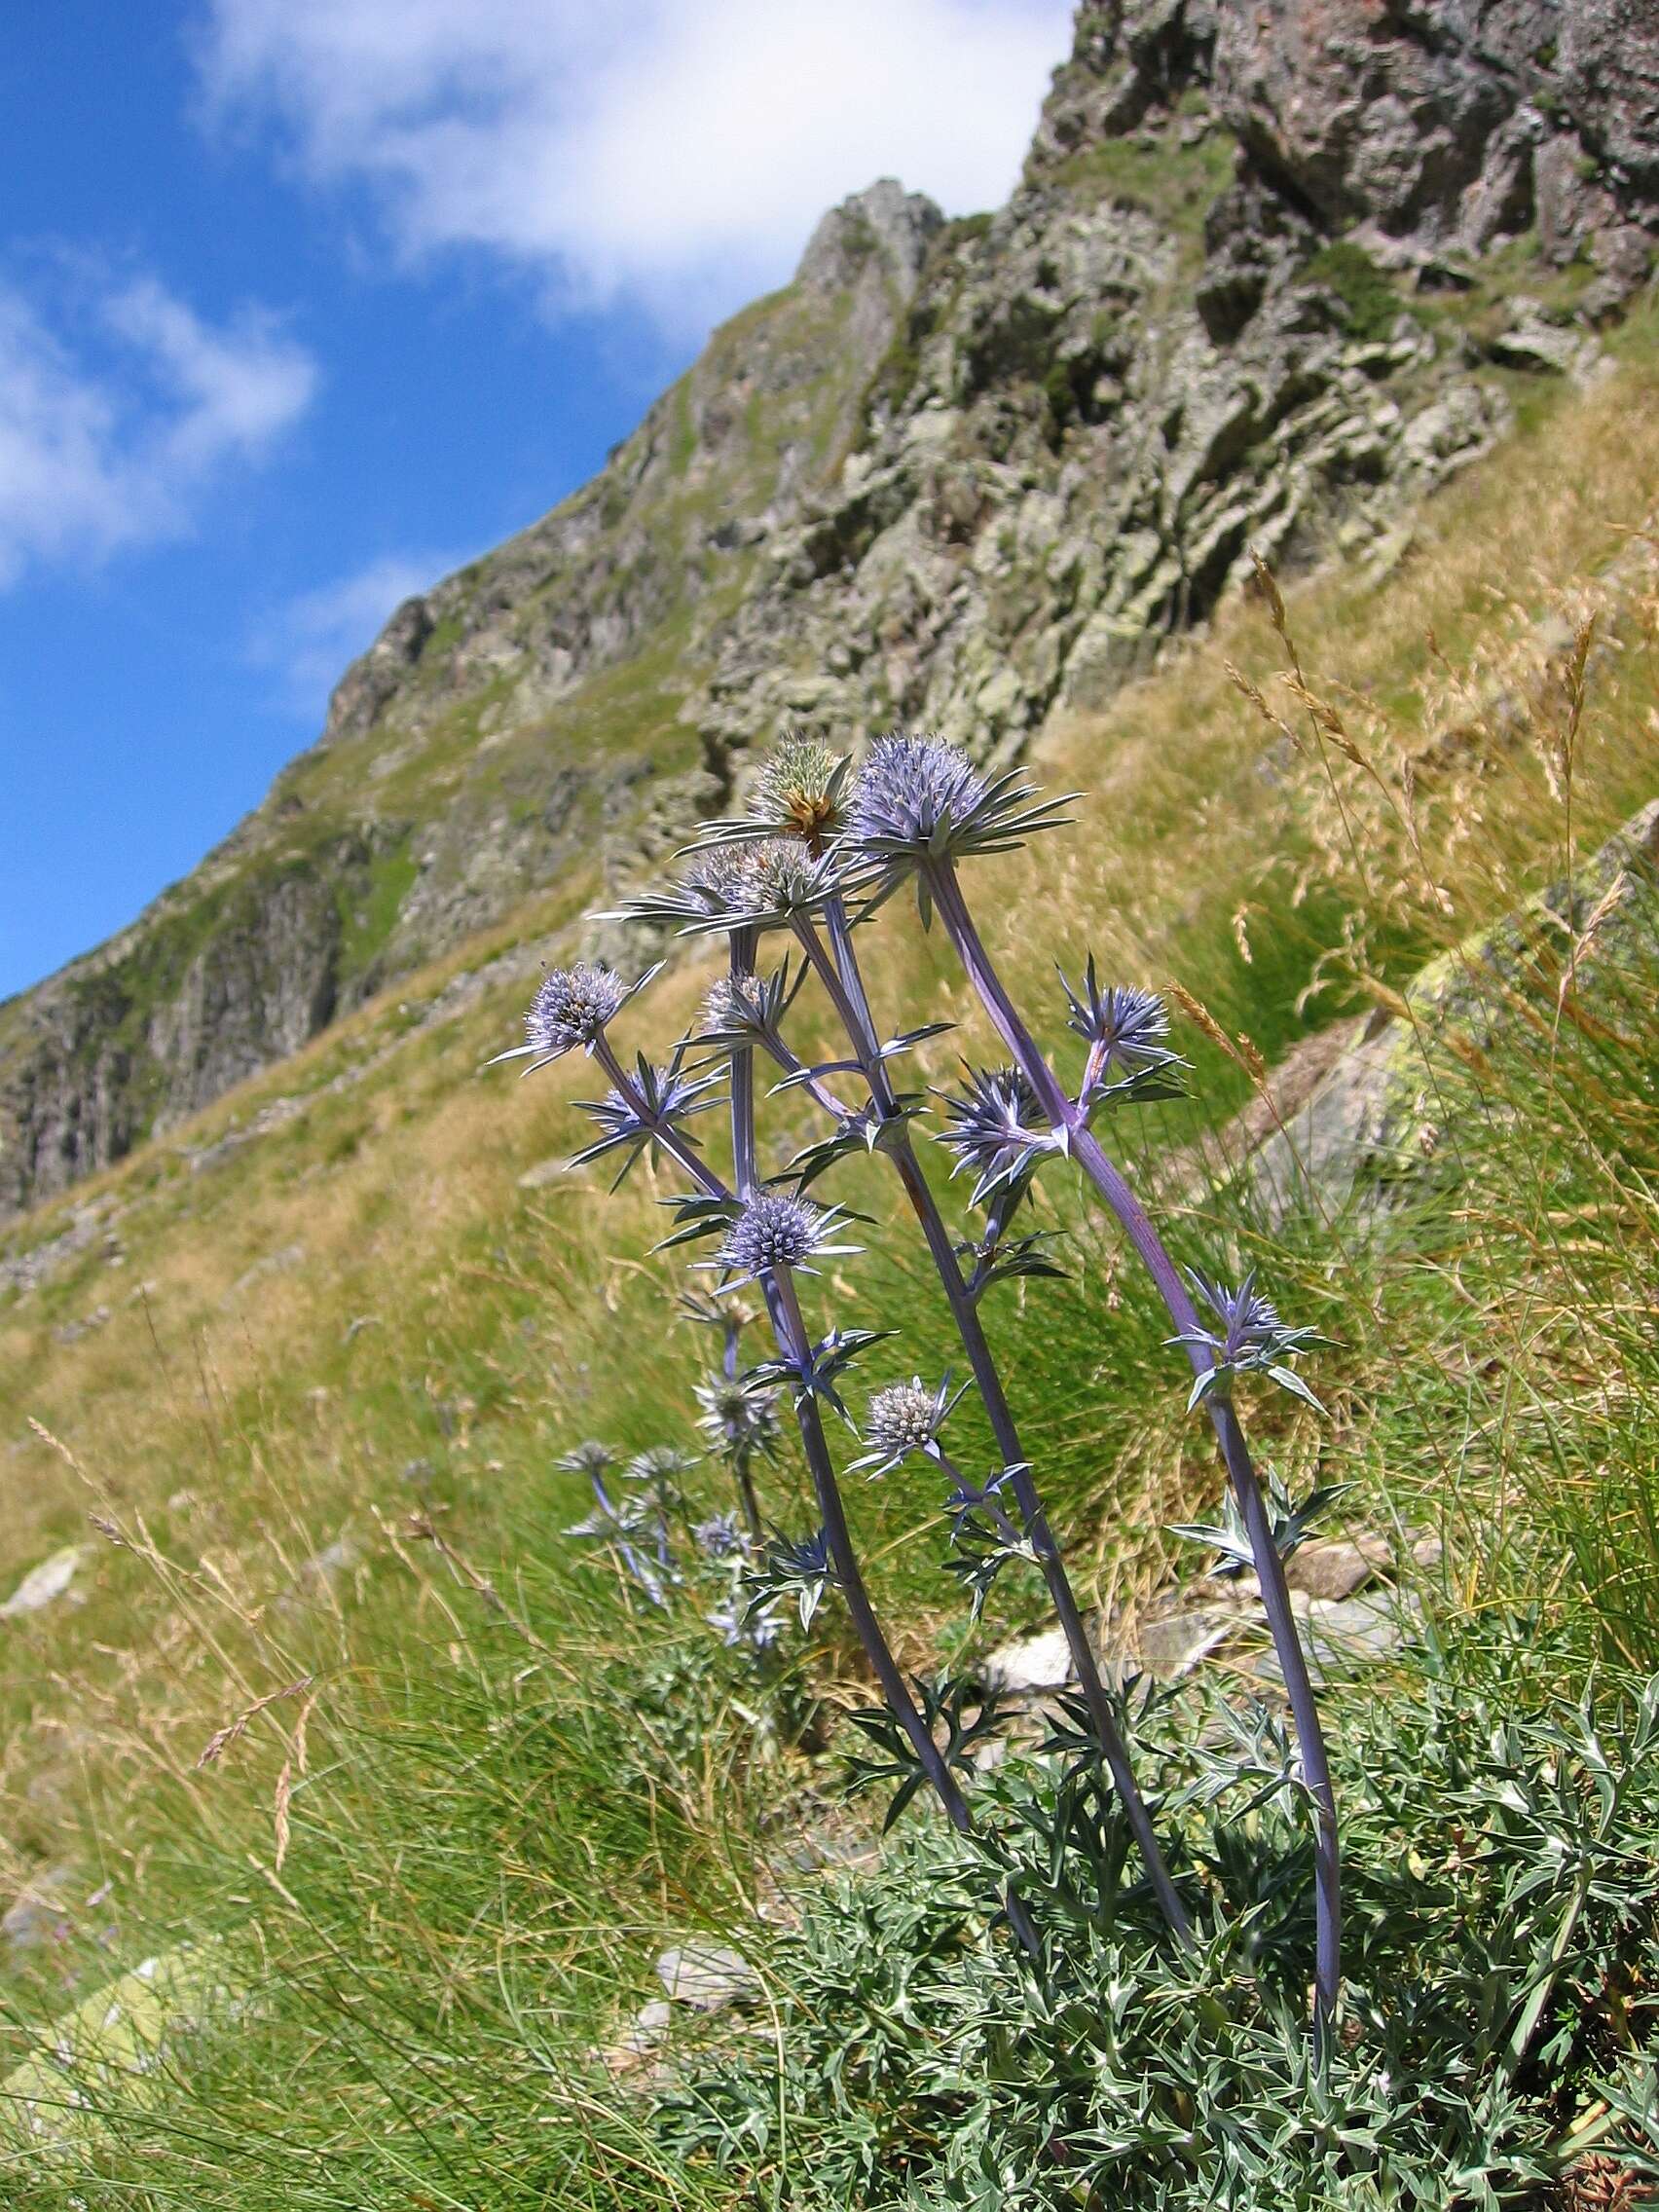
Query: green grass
column 1370, row 303
column 370, row 916
column 1178, row 183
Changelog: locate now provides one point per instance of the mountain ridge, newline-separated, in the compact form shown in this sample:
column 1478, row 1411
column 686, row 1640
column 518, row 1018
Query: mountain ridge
column 1254, row 293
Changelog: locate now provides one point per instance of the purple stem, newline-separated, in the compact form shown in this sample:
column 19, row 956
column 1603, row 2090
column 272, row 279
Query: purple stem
column 743, row 948
column 1065, row 1116
column 795, row 1345
column 841, row 979
column 818, row 1092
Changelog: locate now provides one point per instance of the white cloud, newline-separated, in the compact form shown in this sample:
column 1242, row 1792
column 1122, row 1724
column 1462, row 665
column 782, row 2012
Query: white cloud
column 309, row 640
column 118, row 415
column 673, row 151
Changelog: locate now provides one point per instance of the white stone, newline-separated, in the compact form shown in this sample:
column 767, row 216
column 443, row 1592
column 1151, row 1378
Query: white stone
column 1336, row 1568
column 708, row 1975
column 1173, row 1647
column 1031, row 1663
column 45, row 1582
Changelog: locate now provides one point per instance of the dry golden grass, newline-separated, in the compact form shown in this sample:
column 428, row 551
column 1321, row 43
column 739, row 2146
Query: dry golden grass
column 1425, row 665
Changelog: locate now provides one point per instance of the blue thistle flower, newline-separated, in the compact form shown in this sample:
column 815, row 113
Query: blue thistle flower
column 1127, row 1030
column 720, row 1537
column 760, row 886
column 776, row 1230
column 572, row 1007
column 663, row 1098
column 996, row 1127
column 711, row 893
column 911, row 787
column 747, row 1010
column 659, row 1469
column 739, row 1415
column 917, row 799
column 787, row 881
column 1250, row 1339
column 591, row 1459
column 904, row 1419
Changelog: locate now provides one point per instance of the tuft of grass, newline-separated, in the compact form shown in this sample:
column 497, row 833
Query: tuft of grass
column 1370, row 303
column 1176, row 182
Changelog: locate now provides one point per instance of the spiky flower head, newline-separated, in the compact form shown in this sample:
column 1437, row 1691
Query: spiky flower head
column 658, row 1466
column 785, row 881
column 905, row 1418
column 1250, row 1321
column 797, row 792
column 718, row 881
column 775, row 883
column 763, row 884
column 739, row 1415
column 1128, row 1033
column 910, row 787
column 996, row 1129
column 658, row 1101
column 918, row 800
column 778, row 1230
column 1250, row 1339
column 747, row 1009
column 720, row 1537
column 589, row 1457
column 572, row 1007
column 710, row 892
column 736, row 1010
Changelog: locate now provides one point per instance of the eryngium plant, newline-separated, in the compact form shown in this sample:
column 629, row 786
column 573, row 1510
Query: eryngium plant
column 766, row 1234
column 916, row 810
column 817, row 851
column 1500, row 2011
column 799, row 795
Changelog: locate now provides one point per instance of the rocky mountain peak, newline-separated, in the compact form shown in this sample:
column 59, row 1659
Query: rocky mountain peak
column 1128, row 57
column 1275, row 270
column 884, row 220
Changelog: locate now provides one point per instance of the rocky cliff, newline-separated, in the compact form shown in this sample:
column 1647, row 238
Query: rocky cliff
column 1274, row 269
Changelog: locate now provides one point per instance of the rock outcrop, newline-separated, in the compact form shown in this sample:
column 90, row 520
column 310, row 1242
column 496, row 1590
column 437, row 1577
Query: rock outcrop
column 1379, row 1130
column 958, row 472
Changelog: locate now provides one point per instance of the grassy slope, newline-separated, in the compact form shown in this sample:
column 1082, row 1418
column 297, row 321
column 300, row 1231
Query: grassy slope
column 475, row 1867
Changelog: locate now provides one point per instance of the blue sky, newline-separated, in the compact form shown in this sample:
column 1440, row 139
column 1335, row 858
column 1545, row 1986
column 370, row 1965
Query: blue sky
column 304, row 302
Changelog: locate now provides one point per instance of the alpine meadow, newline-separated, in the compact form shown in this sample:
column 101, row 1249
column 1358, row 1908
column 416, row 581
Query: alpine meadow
column 995, row 1544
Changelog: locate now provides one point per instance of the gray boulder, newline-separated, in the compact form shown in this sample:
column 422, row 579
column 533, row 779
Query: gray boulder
column 1372, row 1131
column 711, row 1977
